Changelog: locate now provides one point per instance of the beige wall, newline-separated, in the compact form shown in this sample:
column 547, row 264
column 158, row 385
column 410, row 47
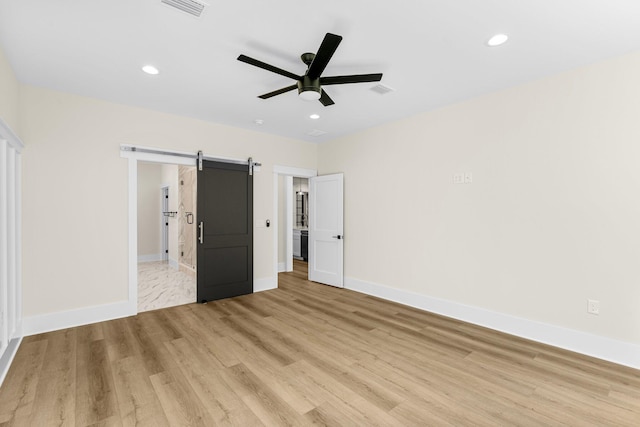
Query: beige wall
column 9, row 89
column 552, row 216
column 75, row 191
column 149, row 206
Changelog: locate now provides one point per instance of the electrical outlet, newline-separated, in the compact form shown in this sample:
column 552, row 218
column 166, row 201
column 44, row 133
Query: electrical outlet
column 468, row 178
column 593, row 306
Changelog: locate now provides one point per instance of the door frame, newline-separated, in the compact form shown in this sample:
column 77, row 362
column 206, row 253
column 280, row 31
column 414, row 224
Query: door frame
column 157, row 156
column 164, row 222
column 288, row 172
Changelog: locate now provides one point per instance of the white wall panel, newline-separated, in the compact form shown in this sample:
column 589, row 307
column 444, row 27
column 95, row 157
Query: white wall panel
column 10, row 277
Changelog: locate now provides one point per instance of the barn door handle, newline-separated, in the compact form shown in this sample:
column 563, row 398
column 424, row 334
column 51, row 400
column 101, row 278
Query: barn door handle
column 201, row 234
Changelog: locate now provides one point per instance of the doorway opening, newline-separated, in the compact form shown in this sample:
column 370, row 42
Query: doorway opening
column 325, row 221
column 301, row 219
column 166, row 235
column 300, row 240
column 291, row 210
column 139, row 157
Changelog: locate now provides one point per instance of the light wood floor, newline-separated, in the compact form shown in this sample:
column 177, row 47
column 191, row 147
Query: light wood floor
column 306, row 354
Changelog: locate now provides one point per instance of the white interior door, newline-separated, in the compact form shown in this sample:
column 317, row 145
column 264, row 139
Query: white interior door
column 326, row 221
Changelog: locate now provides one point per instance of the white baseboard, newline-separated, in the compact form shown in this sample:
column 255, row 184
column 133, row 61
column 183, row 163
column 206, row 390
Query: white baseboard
column 620, row 352
column 282, row 267
column 7, row 357
column 83, row 316
column 158, row 257
column 150, row 258
column 265, row 284
column 32, row 325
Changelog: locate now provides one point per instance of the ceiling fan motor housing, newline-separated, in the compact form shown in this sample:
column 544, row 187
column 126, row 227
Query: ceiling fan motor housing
column 309, row 89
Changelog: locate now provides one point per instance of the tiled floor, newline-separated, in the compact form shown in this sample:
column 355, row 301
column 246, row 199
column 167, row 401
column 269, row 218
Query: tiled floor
column 161, row 286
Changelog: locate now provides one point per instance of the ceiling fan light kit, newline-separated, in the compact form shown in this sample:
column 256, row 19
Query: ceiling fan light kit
column 308, row 89
column 310, row 84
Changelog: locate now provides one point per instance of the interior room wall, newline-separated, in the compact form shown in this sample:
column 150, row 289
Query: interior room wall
column 73, row 143
column 9, row 88
column 549, row 220
column 149, row 207
column 170, row 178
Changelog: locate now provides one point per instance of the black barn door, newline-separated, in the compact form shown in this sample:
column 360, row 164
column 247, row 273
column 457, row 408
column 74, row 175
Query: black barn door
column 225, row 231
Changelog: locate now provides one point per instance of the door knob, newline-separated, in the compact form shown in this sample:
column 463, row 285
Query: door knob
column 337, row 237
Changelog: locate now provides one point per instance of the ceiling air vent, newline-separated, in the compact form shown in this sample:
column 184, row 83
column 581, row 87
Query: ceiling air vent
column 381, row 89
column 316, row 132
column 192, row 7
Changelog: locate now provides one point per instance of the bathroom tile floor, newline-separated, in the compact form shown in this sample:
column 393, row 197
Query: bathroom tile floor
column 161, row 286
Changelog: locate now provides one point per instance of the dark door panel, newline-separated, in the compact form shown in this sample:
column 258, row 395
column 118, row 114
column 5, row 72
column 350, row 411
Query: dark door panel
column 227, row 264
column 225, row 211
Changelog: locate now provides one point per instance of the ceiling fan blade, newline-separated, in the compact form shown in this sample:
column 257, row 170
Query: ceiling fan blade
column 356, row 78
column 265, row 66
column 279, row 91
column 326, row 99
column 325, row 52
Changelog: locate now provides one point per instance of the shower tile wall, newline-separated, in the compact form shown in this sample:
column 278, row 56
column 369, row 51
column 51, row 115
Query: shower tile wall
column 187, row 214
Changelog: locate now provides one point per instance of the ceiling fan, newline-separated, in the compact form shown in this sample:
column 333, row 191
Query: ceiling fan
column 310, row 84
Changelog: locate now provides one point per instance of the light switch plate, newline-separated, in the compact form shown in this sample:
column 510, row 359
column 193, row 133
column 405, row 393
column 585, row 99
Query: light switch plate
column 463, row 178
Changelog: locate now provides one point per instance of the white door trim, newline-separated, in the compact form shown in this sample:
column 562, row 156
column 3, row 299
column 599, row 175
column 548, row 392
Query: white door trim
column 288, row 223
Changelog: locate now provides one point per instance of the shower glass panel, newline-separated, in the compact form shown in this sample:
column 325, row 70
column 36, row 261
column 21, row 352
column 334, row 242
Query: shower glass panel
column 187, row 215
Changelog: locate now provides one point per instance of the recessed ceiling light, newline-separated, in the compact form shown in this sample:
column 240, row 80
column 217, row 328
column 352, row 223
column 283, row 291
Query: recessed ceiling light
column 258, row 122
column 150, row 69
column 497, row 40
column 314, row 116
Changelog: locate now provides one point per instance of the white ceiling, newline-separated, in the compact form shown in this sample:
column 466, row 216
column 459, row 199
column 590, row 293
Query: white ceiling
column 432, row 52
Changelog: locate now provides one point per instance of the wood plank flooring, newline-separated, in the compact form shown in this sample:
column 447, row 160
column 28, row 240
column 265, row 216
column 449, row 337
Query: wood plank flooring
column 306, row 354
